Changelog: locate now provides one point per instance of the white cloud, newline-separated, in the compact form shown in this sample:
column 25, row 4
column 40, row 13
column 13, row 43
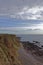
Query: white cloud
column 35, row 26
column 26, row 12
column 22, row 9
column 32, row 27
column 31, row 13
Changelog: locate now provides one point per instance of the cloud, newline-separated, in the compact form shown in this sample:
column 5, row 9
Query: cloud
column 32, row 29
column 21, row 30
column 35, row 27
column 28, row 13
column 38, row 26
column 31, row 13
column 22, row 9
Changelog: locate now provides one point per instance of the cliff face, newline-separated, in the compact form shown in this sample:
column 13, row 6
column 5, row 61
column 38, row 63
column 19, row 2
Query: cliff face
column 9, row 45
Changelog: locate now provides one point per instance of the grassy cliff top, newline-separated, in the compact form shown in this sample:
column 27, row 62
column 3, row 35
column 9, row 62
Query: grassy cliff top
column 9, row 44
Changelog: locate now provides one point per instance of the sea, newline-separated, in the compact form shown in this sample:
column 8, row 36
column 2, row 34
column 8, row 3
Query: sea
column 31, row 38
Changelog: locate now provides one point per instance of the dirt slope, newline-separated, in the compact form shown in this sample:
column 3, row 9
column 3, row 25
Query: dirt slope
column 9, row 45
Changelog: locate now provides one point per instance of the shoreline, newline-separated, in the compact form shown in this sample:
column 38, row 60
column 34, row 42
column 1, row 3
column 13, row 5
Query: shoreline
column 36, row 51
column 28, row 58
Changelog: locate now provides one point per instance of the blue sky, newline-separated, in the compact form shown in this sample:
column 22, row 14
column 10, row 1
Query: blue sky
column 7, row 22
column 21, row 16
column 18, row 26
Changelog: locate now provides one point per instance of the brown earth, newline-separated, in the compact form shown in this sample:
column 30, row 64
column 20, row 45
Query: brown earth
column 9, row 44
column 12, row 52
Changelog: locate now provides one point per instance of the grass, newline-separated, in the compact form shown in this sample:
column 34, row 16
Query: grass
column 9, row 45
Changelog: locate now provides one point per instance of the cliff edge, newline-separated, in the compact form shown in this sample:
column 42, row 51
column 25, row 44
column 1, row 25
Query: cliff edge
column 9, row 44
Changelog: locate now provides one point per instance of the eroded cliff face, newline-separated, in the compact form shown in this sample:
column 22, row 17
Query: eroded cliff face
column 9, row 45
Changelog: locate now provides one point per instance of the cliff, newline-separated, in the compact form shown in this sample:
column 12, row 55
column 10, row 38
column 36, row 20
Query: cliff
column 9, row 44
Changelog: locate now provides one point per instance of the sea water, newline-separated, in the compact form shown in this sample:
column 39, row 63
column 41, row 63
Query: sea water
column 32, row 37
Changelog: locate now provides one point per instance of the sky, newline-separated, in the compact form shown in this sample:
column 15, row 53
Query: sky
column 21, row 16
